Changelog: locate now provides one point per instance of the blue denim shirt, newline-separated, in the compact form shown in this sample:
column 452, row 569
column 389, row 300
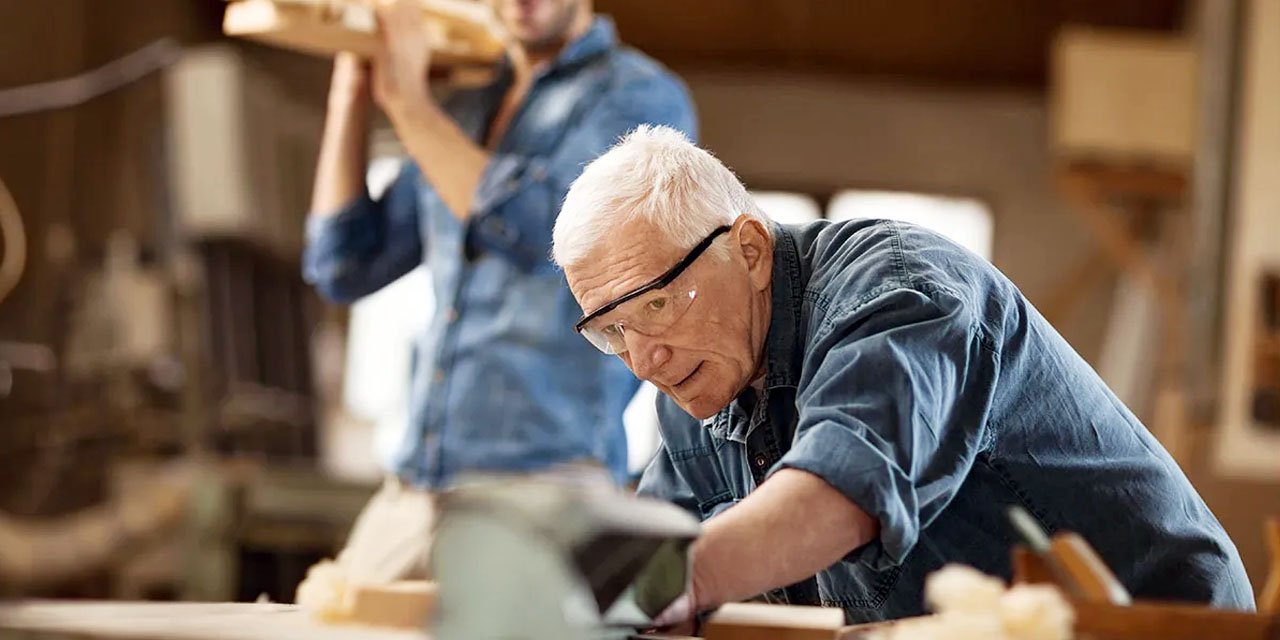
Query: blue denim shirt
column 501, row 382
column 915, row 378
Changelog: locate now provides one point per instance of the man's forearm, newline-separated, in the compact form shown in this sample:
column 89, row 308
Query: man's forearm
column 449, row 160
column 343, row 149
column 791, row 527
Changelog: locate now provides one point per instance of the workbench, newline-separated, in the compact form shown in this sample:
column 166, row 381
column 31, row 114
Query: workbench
column 82, row 620
column 178, row 621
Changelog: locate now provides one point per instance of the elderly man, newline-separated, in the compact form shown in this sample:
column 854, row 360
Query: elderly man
column 851, row 405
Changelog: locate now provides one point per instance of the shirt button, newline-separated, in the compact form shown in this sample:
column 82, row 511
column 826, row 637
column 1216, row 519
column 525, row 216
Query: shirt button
column 438, row 377
column 760, row 461
column 451, row 315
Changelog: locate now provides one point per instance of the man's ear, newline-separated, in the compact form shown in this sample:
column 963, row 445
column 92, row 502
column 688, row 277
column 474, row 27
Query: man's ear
column 756, row 245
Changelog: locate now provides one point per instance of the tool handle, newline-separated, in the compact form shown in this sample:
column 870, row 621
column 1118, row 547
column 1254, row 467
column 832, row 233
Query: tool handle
column 1083, row 572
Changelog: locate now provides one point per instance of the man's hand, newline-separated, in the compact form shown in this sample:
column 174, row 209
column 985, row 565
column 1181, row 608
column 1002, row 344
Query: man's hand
column 451, row 162
column 678, row 618
column 403, row 60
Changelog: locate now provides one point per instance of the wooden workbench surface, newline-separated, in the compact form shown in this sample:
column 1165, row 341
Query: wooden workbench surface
column 182, row 621
column 83, row 619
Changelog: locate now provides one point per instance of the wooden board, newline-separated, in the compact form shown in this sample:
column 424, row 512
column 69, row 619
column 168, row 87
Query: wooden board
column 407, row 604
column 1169, row 621
column 297, row 28
column 309, row 28
column 183, row 621
column 755, row 621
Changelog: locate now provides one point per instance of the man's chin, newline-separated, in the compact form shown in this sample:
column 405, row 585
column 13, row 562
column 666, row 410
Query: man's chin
column 540, row 42
column 699, row 408
column 531, row 35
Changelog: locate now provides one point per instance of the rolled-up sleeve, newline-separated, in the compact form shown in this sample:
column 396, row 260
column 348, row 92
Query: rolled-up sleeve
column 892, row 411
column 520, row 195
column 367, row 244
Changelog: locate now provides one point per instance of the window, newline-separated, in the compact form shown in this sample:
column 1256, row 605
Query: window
column 786, row 207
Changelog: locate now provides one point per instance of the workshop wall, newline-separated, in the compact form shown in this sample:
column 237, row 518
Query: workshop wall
column 819, row 134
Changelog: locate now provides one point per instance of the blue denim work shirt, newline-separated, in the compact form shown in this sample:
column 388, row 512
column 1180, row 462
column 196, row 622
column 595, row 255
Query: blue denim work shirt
column 501, row 382
column 913, row 377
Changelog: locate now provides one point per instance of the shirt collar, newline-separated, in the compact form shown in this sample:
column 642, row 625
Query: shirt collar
column 783, row 354
column 600, row 38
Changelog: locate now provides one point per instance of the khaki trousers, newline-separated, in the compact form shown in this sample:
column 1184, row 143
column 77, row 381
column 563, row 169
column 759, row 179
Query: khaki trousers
column 391, row 539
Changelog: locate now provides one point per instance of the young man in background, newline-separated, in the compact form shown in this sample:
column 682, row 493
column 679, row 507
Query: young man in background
column 501, row 382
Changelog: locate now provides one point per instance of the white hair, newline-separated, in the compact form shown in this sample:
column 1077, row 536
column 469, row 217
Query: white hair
column 653, row 174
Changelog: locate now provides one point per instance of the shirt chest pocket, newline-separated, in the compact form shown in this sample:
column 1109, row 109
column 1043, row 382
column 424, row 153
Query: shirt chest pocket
column 708, row 470
column 528, row 308
column 703, row 471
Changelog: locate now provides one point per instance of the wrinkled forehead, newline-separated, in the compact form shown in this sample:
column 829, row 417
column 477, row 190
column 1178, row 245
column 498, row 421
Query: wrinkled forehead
column 627, row 258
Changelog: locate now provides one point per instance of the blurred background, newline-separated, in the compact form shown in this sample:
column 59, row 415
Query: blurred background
column 181, row 417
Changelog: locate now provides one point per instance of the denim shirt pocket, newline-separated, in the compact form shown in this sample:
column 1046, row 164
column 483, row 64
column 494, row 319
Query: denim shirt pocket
column 505, row 176
column 514, row 212
column 522, row 306
column 703, row 471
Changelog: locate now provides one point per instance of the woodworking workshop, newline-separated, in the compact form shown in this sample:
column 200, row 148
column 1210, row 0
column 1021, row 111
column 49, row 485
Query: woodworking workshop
column 640, row 320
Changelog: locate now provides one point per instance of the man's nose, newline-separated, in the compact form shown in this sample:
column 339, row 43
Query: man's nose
column 647, row 355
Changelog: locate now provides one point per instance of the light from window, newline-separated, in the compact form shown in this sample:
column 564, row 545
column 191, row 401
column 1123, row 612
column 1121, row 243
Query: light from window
column 641, row 423
column 382, row 172
column 786, row 207
column 965, row 221
column 382, row 330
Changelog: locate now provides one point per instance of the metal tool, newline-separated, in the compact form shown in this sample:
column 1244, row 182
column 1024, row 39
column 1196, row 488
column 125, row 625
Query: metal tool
column 555, row 559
